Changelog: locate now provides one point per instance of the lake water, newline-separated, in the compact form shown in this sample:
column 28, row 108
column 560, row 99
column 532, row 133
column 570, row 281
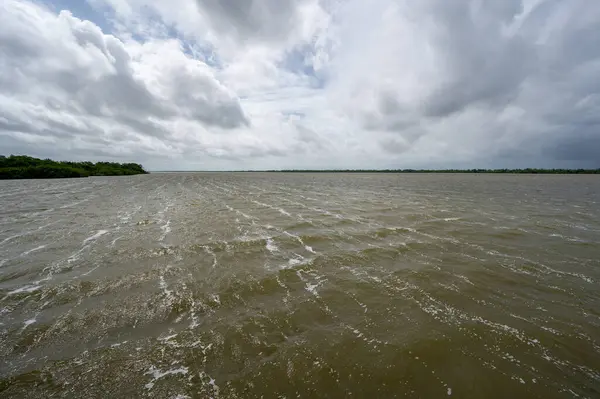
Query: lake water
column 242, row 285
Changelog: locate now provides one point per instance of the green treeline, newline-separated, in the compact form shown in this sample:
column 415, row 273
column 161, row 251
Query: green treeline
column 518, row 171
column 25, row 167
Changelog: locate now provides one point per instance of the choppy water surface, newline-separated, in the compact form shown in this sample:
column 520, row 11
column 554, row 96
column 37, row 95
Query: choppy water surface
column 295, row 285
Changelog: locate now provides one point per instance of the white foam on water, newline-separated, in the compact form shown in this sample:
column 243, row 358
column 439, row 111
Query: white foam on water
column 270, row 245
column 312, row 288
column 322, row 211
column 227, row 245
column 465, row 279
column 211, row 382
column 27, row 289
column 13, row 237
column 410, row 229
column 165, row 288
column 29, row 322
column 166, row 229
column 294, row 262
column 98, row 234
column 157, row 374
column 373, row 342
column 74, row 204
column 211, row 253
column 215, row 298
column 449, row 391
column 551, row 270
column 551, row 330
column 298, row 260
column 33, row 250
column 74, row 257
column 306, row 247
column 566, row 238
column 246, row 216
column 280, row 210
column 88, row 272
column 168, row 337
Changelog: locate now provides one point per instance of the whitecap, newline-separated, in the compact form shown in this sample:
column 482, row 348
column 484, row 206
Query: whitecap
column 211, row 253
column 166, row 229
column 158, row 374
column 270, row 245
column 284, row 212
column 33, row 250
column 29, row 322
column 294, row 262
column 13, row 237
column 27, row 289
column 95, row 236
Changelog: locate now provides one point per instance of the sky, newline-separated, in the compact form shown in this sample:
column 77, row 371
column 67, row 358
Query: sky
column 310, row 84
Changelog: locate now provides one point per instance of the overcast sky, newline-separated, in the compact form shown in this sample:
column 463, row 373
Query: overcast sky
column 269, row 84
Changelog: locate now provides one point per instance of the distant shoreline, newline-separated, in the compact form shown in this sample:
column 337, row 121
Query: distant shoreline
column 529, row 171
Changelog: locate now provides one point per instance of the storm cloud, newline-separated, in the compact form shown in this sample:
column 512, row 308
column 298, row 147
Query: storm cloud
column 207, row 84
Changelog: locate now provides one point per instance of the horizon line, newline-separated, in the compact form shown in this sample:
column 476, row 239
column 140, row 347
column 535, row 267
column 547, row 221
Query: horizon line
column 407, row 170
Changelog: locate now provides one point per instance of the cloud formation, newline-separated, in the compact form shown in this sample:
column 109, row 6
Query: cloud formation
column 253, row 84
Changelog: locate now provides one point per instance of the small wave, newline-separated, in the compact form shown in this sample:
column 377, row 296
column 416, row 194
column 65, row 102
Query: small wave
column 284, row 212
column 166, row 229
column 298, row 260
column 98, row 234
column 297, row 238
column 270, row 245
column 280, row 210
column 12, row 238
column 25, row 289
column 33, row 250
column 246, row 216
column 211, row 253
column 450, row 220
column 157, row 374
column 27, row 323
column 74, row 204
column 567, row 238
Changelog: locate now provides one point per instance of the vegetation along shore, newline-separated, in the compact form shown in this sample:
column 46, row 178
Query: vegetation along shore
column 25, row 167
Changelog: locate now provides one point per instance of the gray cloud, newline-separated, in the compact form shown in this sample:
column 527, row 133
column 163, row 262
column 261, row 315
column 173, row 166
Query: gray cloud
column 577, row 148
column 482, row 63
column 252, row 19
column 63, row 77
column 494, row 59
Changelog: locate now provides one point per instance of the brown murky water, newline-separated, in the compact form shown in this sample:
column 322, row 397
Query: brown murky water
column 300, row 285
